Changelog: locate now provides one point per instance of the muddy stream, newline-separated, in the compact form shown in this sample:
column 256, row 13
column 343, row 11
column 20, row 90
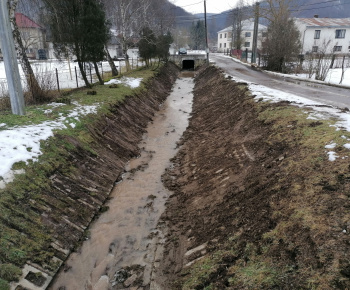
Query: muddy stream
column 125, row 243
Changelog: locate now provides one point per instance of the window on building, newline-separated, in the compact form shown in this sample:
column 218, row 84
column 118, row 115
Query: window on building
column 337, row 48
column 340, row 33
column 220, row 45
column 247, row 44
column 225, row 35
column 317, row 34
column 220, row 35
column 314, row 48
column 225, row 45
column 248, row 34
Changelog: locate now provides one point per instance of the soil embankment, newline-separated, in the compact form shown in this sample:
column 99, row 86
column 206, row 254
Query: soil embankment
column 256, row 204
column 79, row 183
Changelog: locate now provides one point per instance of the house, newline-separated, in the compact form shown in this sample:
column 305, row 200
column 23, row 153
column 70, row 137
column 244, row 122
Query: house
column 329, row 35
column 33, row 36
column 225, row 36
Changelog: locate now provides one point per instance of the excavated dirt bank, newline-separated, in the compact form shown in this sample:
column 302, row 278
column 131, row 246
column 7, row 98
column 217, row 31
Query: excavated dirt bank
column 247, row 211
column 76, row 191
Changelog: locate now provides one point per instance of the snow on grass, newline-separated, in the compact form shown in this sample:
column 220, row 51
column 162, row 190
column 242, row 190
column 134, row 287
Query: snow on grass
column 333, row 77
column 130, row 82
column 23, row 143
column 331, row 146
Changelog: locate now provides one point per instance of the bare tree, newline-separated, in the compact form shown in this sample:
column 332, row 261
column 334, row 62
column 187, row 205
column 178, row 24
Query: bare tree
column 240, row 13
column 130, row 16
column 111, row 62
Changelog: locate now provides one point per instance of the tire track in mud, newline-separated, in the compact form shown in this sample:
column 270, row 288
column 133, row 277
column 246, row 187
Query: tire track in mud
column 215, row 176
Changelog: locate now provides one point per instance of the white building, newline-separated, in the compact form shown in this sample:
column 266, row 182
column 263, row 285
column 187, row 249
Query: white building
column 225, row 36
column 324, row 34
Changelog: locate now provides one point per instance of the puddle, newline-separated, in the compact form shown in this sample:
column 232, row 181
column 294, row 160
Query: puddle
column 127, row 233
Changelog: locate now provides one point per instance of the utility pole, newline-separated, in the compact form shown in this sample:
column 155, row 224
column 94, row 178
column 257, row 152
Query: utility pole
column 255, row 33
column 10, row 61
column 206, row 31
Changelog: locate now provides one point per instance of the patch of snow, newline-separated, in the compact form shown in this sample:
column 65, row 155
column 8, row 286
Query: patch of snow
column 9, row 176
column 131, row 82
column 331, row 146
column 55, row 105
column 332, row 156
column 347, row 146
column 23, row 143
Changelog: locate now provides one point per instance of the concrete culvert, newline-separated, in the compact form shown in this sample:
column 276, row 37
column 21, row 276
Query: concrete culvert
column 188, row 64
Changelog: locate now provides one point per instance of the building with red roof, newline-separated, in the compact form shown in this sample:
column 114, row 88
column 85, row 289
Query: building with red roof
column 33, row 35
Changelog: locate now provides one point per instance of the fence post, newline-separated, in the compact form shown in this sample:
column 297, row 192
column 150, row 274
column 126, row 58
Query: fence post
column 76, row 76
column 58, row 83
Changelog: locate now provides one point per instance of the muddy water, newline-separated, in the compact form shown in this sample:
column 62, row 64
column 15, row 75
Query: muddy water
column 127, row 234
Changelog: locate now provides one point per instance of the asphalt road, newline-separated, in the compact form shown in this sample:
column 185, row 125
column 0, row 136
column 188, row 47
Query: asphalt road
column 335, row 96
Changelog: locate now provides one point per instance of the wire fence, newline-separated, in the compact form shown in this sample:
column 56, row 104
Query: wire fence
column 55, row 75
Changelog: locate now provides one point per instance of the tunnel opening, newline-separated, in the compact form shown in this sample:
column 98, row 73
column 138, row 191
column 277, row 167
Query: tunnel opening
column 188, row 64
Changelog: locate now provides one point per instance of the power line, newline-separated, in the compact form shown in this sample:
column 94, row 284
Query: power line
column 319, row 7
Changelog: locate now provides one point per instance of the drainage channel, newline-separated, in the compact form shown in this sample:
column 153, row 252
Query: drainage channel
column 124, row 244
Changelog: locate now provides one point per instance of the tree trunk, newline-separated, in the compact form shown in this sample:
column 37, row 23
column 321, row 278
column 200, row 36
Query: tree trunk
column 342, row 70
column 111, row 63
column 332, row 61
column 98, row 73
column 32, row 82
column 127, row 62
column 83, row 74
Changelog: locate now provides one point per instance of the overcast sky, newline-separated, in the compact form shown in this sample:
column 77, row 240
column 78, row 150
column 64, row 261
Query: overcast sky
column 197, row 6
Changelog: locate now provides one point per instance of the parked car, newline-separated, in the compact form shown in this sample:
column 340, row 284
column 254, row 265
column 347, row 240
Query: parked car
column 182, row 50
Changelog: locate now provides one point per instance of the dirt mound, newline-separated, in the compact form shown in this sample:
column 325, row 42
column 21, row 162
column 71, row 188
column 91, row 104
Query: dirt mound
column 244, row 214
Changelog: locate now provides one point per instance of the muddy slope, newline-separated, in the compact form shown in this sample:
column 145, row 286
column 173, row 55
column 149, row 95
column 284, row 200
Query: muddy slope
column 77, row 188
column 236, row 220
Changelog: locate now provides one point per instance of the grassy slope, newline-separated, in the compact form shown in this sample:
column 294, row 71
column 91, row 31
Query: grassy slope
column 22, row 235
